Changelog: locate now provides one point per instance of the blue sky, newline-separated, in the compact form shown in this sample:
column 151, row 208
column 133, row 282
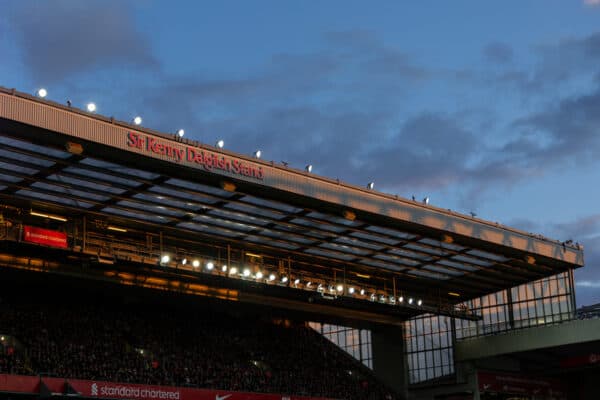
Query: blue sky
column 490, row 107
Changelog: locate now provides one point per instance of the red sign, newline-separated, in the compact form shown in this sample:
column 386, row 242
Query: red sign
column 131, row 391
column 579, row 361
column 46, row 237
column 180, row 153
column 522, row 385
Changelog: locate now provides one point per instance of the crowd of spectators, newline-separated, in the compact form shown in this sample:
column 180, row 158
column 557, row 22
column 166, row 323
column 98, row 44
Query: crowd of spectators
column 203, row 346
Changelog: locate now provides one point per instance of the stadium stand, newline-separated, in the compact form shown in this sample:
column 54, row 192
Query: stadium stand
column 77, row 334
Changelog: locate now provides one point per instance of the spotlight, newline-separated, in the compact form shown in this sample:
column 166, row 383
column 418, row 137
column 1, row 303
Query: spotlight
column 308, row 284
column 2, row 338
column 180, row 132
column 246, row 272
column 91, row 107
column 210, row 265
column 224, row 268
column 257, row 153
column 370, row 185
column 392, row 300
column 259, row 275
column 220, row 143
column 340, row 288
column 419, row 302
column 165, row 259
column 195, row 263
column 297, row 282
column 351, row 290
column 426, row 200
column 410, row 301
column 320, row 287
column 284, row 279
column 373, row 297
column 308, row 168
column 233, row 271
column 401, row 299
column 362, row 292
column 42, row 93
column 184, row 261
column 137, row 120
column 331, row 288
column 382, row 298
column 271, row 277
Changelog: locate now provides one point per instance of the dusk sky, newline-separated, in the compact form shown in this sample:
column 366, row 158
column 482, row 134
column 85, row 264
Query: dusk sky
column 485, row 107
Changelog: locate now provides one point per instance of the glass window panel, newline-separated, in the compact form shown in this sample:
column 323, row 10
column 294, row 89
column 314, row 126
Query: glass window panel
column 137, row 173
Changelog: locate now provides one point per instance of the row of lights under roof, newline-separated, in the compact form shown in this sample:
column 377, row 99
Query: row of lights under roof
column 91, row 107
column 336, row 289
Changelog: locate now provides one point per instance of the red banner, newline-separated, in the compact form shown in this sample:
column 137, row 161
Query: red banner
column 588, row 359
column 130, row 391
column 46, row 237
column 506, row 383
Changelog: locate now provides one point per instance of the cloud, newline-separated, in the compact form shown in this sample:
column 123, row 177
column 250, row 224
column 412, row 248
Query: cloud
column 591, row 2
column 498, row 53
column 63, row 38
column 588, row 284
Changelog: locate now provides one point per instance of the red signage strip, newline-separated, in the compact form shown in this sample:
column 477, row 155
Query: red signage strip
column 46, row 237
column 579, row 361
column 19, row 384
column 506, row 383
column 192, row 155
column 131, row 391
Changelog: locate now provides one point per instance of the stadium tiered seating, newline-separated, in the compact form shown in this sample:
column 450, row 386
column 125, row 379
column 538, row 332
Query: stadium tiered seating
column 77, row 334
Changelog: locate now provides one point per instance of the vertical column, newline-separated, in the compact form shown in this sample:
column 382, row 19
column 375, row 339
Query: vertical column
column 389, row 362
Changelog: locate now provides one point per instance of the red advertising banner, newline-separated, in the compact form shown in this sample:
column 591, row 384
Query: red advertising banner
column 130, row 391
column 506, row 383
column 19, row 384
column 46, row 237
column 579, row 361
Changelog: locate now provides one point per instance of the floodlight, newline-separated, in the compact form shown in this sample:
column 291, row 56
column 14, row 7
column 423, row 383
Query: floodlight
column 426, row 200
column 257, row 153
column 137, row 120
column 42, row 93
column 340, row 288
column 180, row 132
column 184, row 261
column 224, row 268
column 370, row 185
column 308, row 284
column 308, row 168
column 297, row 281
column 410, row 301
column 351, row 290
column 382, row 298
column 392, row 300
column 259, row 275
column 362, row 292
column 246, row 272
column 91, row 107
column 195, row 263
column 2, row 338
column 210, row 265
column 284, row 279
column 320, row 287
column 165, row 259
column 373, row 297
column 271, row 277
column 401, row 299
column 419, row 302
column 233, row 270
column 220, row 143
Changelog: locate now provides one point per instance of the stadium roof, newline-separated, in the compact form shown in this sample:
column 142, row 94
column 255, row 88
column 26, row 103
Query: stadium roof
column 56, row 157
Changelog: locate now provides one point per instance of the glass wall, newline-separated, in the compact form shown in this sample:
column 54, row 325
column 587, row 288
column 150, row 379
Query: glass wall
column 356, row 342
column 428, row 338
